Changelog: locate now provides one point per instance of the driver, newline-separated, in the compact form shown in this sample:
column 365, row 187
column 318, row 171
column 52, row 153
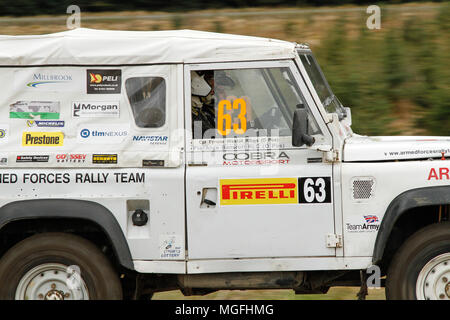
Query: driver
column 208, row 88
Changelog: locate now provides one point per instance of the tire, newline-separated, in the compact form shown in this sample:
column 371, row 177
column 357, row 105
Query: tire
column 420, row 270
column 37, row 269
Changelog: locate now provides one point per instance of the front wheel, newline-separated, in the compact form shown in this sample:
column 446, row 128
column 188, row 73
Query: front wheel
column 57, row 266
column 421, row 268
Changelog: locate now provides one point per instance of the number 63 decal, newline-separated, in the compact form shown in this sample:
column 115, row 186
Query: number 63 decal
column 314, row 190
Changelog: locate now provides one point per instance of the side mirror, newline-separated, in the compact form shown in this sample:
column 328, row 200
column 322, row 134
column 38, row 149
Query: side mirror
column 300, row 129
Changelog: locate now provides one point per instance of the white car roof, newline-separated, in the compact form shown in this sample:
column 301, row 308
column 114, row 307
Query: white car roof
column 106, row 47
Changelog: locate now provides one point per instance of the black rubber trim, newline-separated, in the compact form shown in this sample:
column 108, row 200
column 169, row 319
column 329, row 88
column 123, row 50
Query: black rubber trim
column 80, row 209
column 415, row 198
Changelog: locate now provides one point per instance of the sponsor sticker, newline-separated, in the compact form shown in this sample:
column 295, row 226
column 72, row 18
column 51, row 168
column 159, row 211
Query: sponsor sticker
column 370, row 223
column 45, row 123
column 95, row 109
column 153, row 163
column 314, row 190
column 33, row 158
column 170, row 246
column 100, row 81
column 151, row 139
column 71, row 158
column 104, row 158
column 255, row 158
column 102, row 134
column 42, row 139
column 258, row 191
column 4, row 132
column 35, row 110
column 47, row 80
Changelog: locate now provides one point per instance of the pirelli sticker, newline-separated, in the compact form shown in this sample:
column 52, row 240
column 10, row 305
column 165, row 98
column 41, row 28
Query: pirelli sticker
column 258, row 191
column 302, row 190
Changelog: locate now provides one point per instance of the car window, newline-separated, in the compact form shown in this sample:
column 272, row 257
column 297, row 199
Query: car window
column 147, row 96
column 245, row 102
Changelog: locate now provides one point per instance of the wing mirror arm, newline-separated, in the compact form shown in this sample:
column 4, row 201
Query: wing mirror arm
column 300, row 126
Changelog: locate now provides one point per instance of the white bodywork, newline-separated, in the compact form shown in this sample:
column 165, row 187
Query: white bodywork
column 227, row 237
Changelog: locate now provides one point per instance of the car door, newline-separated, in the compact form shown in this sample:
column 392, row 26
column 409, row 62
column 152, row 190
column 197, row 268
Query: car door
column 249, row 192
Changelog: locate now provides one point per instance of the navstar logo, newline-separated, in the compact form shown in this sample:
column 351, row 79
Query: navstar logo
column 258, row 191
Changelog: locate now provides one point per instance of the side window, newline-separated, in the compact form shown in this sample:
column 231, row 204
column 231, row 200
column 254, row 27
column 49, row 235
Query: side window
column 147, row 96
column 245, row 102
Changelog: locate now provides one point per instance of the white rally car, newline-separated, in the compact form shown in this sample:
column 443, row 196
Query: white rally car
column 138, row 162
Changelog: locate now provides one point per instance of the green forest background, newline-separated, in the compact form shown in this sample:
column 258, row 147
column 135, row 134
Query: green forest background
column 396, row 80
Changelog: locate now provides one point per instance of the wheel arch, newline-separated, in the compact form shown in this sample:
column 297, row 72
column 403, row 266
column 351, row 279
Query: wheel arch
column 401, row 205
column 71, row 209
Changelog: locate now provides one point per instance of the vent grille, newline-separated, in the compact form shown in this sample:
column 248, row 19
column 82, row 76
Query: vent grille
column 363, row 188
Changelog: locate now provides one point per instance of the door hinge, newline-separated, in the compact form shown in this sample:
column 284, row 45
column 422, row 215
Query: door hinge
column 334, row 241
column 331, row 156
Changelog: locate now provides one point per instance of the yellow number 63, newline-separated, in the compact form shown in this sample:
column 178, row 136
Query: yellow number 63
column 225, row 118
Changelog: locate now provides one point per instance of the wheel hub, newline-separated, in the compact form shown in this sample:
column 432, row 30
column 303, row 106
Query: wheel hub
column 54, row 295
column 433, row 280
column 51, row 281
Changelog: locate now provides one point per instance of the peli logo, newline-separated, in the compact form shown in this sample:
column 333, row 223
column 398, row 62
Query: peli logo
column 42, row 139
column 96, row 78
column 258, row 191
column 103, row 81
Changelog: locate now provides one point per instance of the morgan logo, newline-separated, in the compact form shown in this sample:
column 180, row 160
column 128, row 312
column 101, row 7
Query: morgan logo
column 258, row 191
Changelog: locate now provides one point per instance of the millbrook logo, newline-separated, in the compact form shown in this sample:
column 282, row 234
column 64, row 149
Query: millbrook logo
column 43, row 78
